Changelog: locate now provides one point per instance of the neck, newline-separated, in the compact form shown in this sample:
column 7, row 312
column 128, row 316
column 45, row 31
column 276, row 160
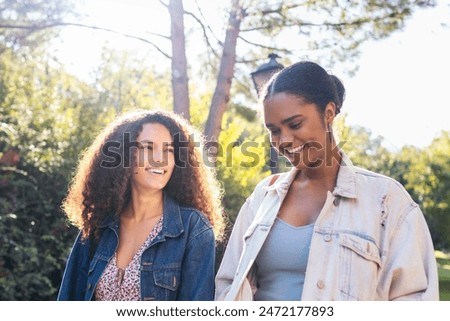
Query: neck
column 146, row 205
column 327, row 170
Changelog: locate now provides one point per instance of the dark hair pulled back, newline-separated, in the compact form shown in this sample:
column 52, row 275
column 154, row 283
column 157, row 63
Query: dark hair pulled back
column 309, row 81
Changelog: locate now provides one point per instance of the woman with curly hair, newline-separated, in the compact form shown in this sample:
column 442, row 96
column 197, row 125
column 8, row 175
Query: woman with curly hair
column 148, row 209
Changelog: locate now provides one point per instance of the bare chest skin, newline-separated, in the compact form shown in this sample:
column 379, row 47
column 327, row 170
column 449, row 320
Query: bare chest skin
column 303, row 203
column 131, row 237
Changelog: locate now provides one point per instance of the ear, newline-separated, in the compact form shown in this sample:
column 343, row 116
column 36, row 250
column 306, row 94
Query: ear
column 329, row 113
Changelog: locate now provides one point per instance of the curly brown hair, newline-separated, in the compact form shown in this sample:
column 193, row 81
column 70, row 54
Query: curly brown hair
column 102, row 184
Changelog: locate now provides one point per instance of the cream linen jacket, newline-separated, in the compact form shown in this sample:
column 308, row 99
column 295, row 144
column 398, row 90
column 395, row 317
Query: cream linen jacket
column 370, row 242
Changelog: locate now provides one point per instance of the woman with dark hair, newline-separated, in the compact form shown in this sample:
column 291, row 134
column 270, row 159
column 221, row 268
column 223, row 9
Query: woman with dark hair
column 326, row 230
column 148, row 209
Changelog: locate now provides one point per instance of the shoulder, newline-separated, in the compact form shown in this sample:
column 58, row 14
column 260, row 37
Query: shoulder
column 194, row 218
column 261, row 187
column 253, row 202
column 197, row 228
column 389, row 190
column 378, row 179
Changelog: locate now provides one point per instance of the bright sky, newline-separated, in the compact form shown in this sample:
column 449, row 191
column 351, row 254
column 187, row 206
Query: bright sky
column 401, row 90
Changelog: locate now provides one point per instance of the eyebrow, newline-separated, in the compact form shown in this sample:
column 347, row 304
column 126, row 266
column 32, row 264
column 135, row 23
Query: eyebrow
column 287, row 120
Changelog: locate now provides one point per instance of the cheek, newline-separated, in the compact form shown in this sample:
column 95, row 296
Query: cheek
column 274, row 140
column 141, row 158
column 171, row 159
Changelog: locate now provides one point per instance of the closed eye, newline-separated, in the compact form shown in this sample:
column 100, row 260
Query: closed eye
column 168, row 147
column 274, row 131
column 295, row 125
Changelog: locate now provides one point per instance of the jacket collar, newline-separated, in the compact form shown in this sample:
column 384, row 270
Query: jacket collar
column 346, row 180
column 345, row 184
column 172, row 222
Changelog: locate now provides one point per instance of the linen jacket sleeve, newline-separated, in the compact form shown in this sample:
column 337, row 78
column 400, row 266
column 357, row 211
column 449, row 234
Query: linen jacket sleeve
column 410, row 267
column 233, row 251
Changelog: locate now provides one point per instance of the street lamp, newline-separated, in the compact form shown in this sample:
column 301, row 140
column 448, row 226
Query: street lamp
column 260, row 77
column 265, row 72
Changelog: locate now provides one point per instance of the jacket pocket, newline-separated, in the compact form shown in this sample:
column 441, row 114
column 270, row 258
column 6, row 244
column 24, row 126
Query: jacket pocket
column 360, row 264
column 167, row 278
column 160, row 282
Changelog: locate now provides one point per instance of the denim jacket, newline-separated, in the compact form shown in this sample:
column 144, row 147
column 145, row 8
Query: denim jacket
column 177, row 265
column 370, row 242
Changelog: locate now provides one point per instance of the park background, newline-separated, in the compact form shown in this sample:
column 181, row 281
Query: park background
column 67, row 68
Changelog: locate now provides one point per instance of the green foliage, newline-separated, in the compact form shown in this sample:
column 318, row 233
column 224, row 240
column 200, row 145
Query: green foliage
column 362, row 148
column 241, row 162
column 33, row 235
column 42, row 111
column 443, row 261
column 428, row 179
column 126, row 82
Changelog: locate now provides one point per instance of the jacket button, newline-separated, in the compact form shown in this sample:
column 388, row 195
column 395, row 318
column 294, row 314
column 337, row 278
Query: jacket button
column 89, row 286
column 320, row 284
column 327, row 237
column 336, row 201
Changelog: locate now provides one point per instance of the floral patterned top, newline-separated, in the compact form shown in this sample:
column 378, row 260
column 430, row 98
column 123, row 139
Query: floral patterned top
column 117, row 284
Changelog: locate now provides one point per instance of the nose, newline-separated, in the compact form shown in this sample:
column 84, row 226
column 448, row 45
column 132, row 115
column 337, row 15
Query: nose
column 285, row 140
column 158, row 155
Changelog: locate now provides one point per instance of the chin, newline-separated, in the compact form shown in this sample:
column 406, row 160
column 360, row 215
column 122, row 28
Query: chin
column 299, row 163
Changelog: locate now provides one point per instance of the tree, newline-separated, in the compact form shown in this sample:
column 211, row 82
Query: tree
column 179, row 61
column 326, row 30
column 328, row 22
column 22, row 22
column 123, row 84
column 221, row 94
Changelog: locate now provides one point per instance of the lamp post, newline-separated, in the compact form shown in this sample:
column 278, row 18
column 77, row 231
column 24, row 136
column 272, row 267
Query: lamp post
column 265, row 72
column 260, row 77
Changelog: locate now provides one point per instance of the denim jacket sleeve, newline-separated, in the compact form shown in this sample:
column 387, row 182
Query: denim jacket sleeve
column 197, row 274
column 74, row 280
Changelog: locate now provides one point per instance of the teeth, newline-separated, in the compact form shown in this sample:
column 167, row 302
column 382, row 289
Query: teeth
column 157, row 171
column 295, row 150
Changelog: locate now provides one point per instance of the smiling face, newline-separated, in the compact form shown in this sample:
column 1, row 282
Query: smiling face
column 297, row 129
column 155, row 159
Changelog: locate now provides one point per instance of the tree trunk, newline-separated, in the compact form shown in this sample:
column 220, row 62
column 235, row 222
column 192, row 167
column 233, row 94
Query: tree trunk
column 222, row 92
column 180, row 89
